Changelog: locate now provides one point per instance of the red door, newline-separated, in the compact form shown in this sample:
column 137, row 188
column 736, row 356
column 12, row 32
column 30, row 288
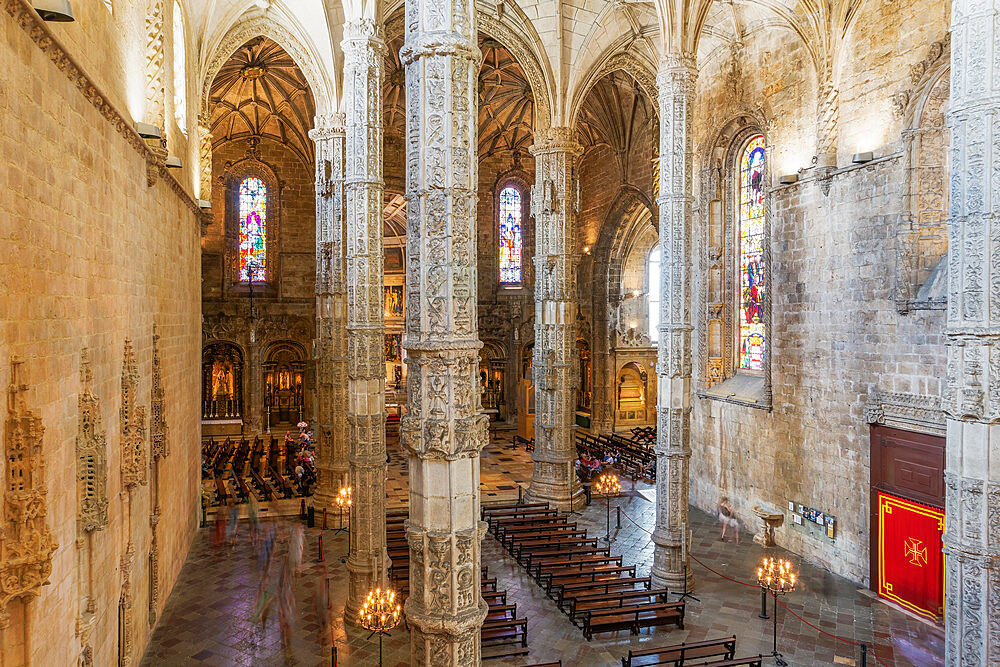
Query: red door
column 907, row 480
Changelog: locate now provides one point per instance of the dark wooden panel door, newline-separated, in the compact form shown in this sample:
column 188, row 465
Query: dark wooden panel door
column 907, row 465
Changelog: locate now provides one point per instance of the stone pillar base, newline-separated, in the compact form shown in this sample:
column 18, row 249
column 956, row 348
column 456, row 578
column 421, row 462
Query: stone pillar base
column 564, row 500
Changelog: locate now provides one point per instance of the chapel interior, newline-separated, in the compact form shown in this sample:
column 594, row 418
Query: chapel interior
column 517, row 332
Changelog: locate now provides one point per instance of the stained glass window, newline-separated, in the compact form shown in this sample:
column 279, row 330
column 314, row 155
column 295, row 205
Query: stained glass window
column 752, row 334
column 510, row 236
column 253, row 230
column 654, row 293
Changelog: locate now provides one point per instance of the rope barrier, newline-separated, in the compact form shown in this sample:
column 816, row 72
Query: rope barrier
column 743, row 583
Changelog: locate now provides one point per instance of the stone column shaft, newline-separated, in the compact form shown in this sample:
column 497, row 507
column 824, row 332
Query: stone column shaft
column 555, row 360
column 673, row 407
column 363, row 56
column 971, row 396
column 444, row 429
column 331, row 310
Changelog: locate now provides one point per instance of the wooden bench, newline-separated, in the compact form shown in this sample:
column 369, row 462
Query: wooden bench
column 221, row 494
column 505, row 630
column 724, row 648
column 567, row 592
column 580, row 555
column 576, row 568
column 503, row 651
column 489, row 510
column 539, row 548
column 632, row 618
column 578, row 606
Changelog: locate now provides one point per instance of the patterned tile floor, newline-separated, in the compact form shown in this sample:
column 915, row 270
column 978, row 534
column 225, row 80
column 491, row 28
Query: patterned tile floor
column 208, row 621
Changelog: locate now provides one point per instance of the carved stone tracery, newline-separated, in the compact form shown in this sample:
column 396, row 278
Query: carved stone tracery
column 135, row 461
column 91, row 453
column 364, row 52
column 26, row 545
column 444, row 428
column 673, row 445
column 971, row 396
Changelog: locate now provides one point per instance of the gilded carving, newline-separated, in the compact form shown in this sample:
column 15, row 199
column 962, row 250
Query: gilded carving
column 91, row 456
column 26, row 545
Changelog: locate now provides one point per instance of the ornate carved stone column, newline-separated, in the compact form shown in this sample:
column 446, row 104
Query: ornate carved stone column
column 971, row 396
column 205, row 155
column 331, row 309
column 553, row 203
column 363, row 54
column 444, row 428
column 673, row 406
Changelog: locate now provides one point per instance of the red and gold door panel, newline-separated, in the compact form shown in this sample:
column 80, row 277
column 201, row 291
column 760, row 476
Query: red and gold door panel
column 910, row 562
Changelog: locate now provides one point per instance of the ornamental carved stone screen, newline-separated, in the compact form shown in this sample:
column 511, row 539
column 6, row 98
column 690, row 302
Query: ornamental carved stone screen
column 26, row 545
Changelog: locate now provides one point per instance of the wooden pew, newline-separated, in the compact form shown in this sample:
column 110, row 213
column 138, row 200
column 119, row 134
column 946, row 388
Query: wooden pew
column 565, row 592
column 632, row 618
column 579, row 605
column 581, row 571
column 724, row 648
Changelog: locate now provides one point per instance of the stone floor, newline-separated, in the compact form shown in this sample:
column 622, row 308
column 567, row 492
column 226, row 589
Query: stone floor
column 208, row 618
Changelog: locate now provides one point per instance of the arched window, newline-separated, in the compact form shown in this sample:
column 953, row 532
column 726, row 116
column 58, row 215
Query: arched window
column 180, row 78
column 653, row 285
column 253, row 230
column 509, row 223
column 751, row 335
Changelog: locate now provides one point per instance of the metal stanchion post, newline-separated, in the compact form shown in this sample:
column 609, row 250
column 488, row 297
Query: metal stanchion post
column 763, row 603
column 864, row 655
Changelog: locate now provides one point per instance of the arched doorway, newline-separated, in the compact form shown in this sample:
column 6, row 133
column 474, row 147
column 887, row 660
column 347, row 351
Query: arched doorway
column 492, row 376
column 284, row 385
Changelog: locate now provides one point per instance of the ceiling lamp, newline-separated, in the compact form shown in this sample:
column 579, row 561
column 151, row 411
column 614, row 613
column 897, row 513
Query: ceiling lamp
column 788, row 179
column 861, row 158
column 204, row 204
column 58, row 11
column 173, row 162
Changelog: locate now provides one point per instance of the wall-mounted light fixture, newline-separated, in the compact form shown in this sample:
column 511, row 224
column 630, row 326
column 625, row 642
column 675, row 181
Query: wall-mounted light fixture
column 148, row 131
column 633, row 324
column 788, row 179
column 204, row 204
column 173, row 162
column 57, row 11
column 861, row 158
column 586, row 250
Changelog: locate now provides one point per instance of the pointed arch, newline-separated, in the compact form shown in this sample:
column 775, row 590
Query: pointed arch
column 248, row 27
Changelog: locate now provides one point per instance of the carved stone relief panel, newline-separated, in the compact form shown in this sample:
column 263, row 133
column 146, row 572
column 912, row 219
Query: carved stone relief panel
column 26, row 545
column 91, row 456
column 132, row 417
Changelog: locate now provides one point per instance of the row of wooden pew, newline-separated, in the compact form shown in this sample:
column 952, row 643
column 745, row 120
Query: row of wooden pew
column 504, row 633
column 594, row 588
column 240, row 469
column 589, row 584
column 634, row 456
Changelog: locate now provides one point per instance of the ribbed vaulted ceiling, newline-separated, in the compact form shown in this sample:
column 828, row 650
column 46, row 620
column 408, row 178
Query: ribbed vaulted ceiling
column 261, row 92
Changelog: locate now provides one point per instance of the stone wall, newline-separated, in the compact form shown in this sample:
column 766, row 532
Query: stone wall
column 835, row 329
column 93, row 257
column 285, row 309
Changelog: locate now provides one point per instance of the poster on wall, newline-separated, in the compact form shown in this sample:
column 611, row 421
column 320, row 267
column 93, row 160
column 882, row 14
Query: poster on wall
column 393, row 347
column 910, row 562
column 393, row 301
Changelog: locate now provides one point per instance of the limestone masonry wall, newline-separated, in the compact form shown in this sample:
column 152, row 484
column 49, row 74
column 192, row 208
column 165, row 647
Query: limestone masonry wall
column 835, row 327
column 93, row 257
